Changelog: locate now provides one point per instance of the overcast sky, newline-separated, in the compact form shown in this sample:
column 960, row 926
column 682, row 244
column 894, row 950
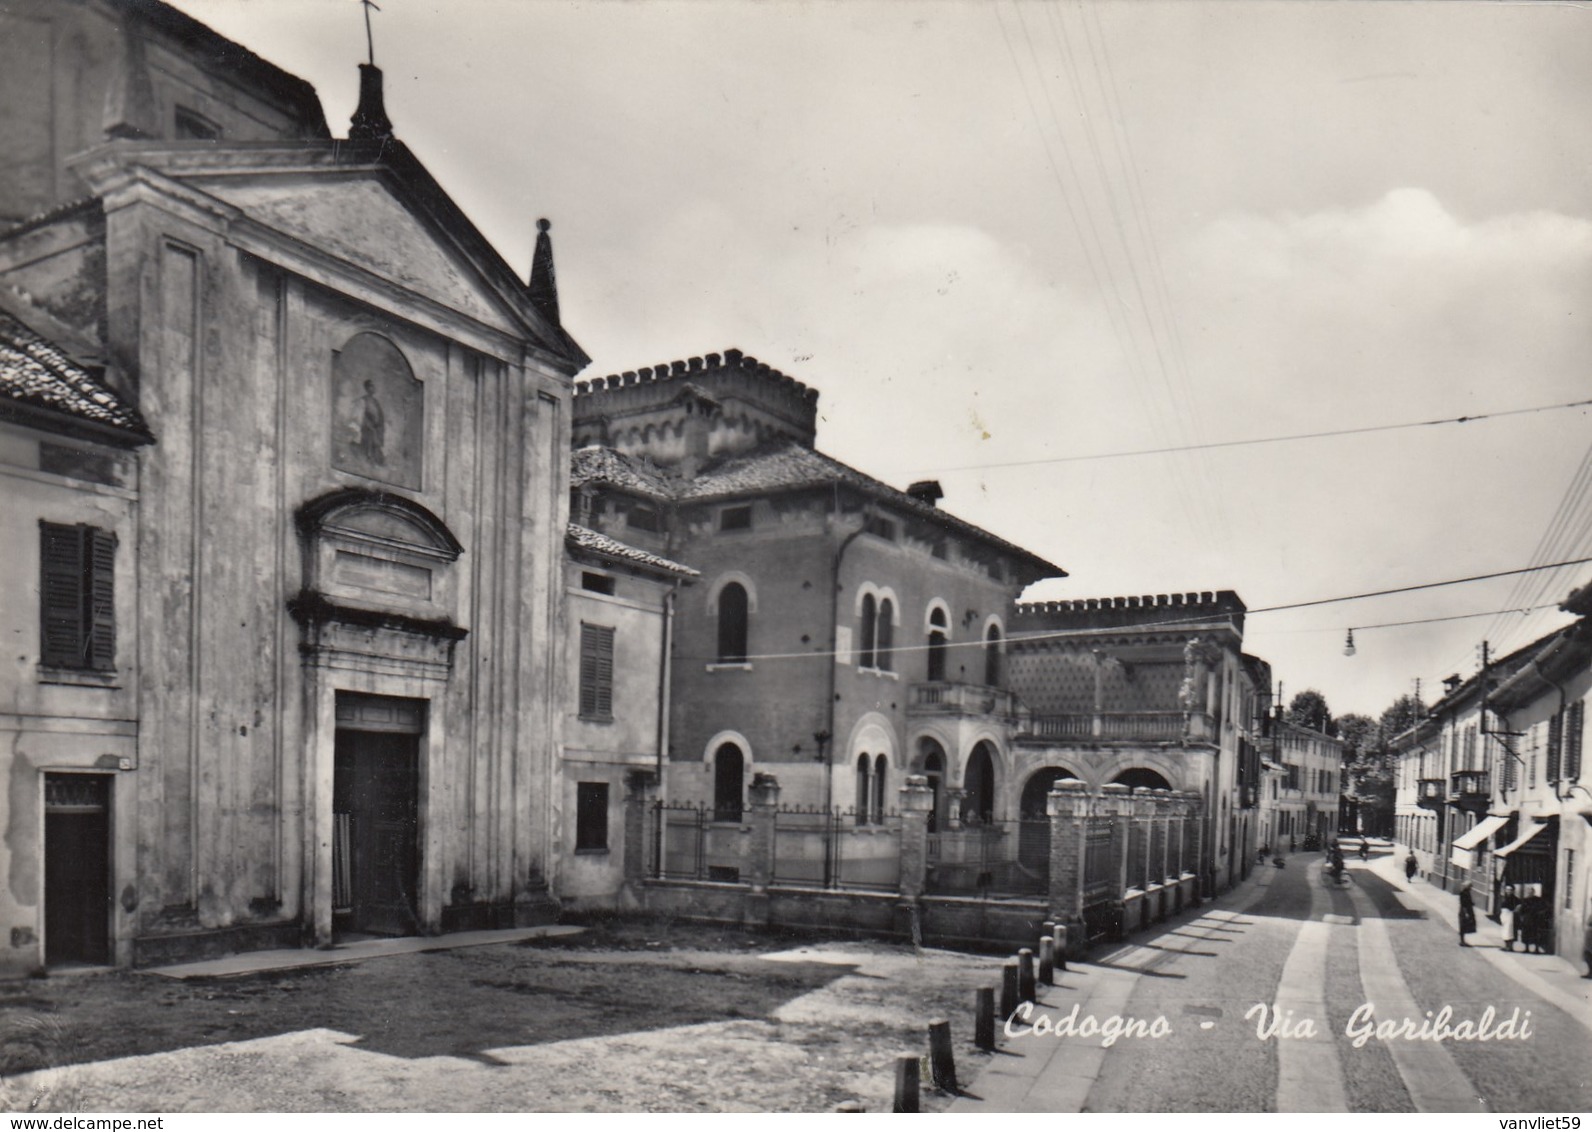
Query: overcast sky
column 993, row 233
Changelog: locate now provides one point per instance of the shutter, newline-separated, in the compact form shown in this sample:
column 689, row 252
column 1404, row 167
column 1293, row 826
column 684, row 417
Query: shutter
column 101, row 648
column 1575, row 723
column 596, row 671
column 605, row 672
column 61, row 595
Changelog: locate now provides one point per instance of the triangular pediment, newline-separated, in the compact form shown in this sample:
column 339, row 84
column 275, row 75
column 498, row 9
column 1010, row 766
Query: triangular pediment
column 357, row 217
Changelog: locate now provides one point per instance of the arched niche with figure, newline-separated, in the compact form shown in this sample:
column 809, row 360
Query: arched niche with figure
column 378, row 412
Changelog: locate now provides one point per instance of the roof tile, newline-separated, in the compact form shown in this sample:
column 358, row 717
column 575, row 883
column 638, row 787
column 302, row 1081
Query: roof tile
column 34, row 371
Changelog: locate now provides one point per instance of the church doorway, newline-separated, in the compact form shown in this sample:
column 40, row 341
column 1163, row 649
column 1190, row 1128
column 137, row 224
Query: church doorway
column 375, row 816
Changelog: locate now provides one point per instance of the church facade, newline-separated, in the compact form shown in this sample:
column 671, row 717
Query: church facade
column 290, row 516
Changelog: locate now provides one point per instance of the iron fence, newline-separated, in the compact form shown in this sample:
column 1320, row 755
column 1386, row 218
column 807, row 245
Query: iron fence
column 835, row 848
column 993, row 858
column 692, row 842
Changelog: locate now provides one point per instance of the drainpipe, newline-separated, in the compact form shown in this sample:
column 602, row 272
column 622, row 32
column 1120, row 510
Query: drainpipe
column 834, row 665
column 664, row 676
column 665, row 666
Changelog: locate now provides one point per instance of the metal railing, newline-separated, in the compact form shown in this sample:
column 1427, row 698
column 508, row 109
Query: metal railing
column 1147, row 726
column 995, row 858
column 837, row 848
column 966, row 699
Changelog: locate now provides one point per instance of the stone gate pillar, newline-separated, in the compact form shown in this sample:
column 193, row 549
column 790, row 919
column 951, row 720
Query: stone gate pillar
column 1161, row 852
column 1068, row 808
column 1116, row 800
column 641, row 787
column 763, row 801
column 1196, row 842
column 917, row 803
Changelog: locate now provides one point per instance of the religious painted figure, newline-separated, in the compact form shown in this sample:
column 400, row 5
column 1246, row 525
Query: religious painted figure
column 377, row 412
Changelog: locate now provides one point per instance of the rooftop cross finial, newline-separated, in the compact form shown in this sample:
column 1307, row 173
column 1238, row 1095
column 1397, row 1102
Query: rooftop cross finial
column 370, row 42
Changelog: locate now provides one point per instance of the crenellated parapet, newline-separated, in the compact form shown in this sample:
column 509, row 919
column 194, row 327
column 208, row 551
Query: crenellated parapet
column 728, row 377
column 1130, row 611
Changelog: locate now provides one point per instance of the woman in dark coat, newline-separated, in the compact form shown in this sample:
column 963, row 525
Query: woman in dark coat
column 1410, row 866
column 1467, row 915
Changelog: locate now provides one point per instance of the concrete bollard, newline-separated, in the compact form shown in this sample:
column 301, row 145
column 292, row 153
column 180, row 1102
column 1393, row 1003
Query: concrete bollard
column 984, row 1018
column 1049, row 928
column 852, row 1105
column 942, row 1060
column 1025, row 975
column 906, row 1084
column 1060, row 935
column 1009, row 989
column 1047, row 961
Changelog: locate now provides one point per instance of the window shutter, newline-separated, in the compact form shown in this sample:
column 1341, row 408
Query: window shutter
column 61, row 595
column 101, row 649
column 596, row 671
column 1575, row 724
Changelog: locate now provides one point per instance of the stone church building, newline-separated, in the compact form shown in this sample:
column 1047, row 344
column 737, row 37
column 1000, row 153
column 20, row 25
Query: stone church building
column 285, row 451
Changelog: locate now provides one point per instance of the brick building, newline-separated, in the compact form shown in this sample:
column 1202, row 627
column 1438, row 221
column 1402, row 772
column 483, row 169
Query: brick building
column 842, row 634
column 1152, row 692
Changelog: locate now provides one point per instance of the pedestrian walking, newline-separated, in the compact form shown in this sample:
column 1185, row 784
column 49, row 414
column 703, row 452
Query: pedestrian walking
column 1533, row 917
column 1507, row 905
column 1365, row 850
column 1586, row 946
column 1467, row 915
column 1410, row 866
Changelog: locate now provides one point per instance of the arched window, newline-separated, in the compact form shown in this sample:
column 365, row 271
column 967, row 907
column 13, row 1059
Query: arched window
column 932, row 758
column 733, row 619
column 729, row 773
column 937, row 643
column 992, row 656
column 870, row 620
column 881, row 766
column 885, row 637
column 862, row 789
column 979, row 783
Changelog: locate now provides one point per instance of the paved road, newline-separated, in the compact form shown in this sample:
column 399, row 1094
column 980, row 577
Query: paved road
column 1260, row 995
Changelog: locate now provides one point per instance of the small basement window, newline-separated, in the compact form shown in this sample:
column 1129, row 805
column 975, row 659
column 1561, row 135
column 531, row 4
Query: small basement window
column 596, row 583
column 735, row 519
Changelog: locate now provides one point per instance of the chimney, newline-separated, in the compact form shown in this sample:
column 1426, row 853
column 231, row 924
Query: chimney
column 370, row 121
column 926, row 492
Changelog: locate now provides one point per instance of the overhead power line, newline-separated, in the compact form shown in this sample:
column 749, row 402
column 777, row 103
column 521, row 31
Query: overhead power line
column 1421, row 586
column 1270, row 439
column 1199, row 619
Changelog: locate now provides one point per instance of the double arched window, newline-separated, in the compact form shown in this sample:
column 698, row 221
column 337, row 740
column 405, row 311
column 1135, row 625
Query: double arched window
column 872, row 780
column 876, row 633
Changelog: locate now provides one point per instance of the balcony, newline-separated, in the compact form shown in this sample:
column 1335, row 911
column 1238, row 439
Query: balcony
column 1123, row 727
column 1472, row 789
column 943, row 697
column 1431, row 793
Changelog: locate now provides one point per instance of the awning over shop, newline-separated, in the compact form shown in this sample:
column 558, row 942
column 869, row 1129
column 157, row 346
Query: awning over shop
column 1528, row 831
column 1484, row 829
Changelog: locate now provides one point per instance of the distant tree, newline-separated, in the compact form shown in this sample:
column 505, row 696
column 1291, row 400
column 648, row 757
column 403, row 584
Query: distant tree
column 1309, row 709
column 1367, row 784
column 1360, row 734
column 1400, row 717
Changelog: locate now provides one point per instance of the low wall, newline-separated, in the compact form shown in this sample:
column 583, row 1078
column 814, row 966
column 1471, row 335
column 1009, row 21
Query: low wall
column 943, row 921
